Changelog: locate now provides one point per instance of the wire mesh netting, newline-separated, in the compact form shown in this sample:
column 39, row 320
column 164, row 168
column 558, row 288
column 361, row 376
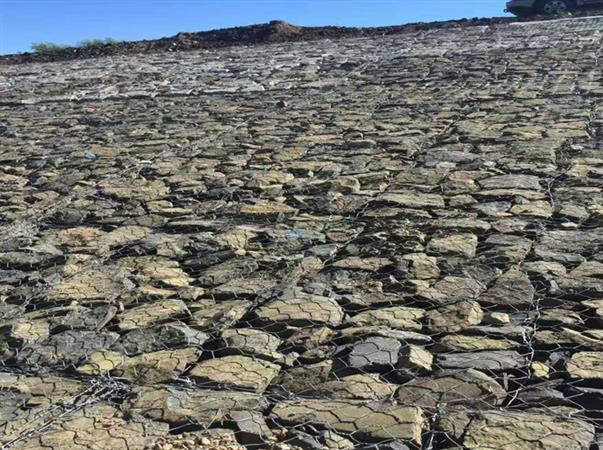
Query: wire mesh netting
column 370, row 243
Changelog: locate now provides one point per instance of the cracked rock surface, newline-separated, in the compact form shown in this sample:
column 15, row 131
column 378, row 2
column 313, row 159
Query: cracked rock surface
column 378, row 242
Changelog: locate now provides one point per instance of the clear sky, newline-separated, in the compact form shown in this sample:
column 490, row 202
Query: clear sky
column 23, row 22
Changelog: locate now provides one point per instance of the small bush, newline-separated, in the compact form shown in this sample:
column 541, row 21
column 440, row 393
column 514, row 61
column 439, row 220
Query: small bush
column 47, row 47
column 96, row 42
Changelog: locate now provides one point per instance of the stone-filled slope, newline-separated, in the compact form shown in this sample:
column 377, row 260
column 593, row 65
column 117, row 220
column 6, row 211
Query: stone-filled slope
column 259, row 34
column 375, row 243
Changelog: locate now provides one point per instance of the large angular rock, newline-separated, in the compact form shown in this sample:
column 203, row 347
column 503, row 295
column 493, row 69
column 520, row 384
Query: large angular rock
column 90, row 285
column 596, row 304
column 456, row 244
column 502, row 193
column 588, row 269
column 399, row 317
column 185, row 406
column 505, row 249
column 122, row 236
column 538, row 208
column 451, row 288
column 357, row 263
column 99, row 426
column 101, row 363
column 517, row 332
column 470, row 388
column 587, row 365
column 134, row 189
column 155, row 270
column 161, row 337
column 374, row 421
column 386, row 332
column 79, row 317
column 27, row 260
column 514, row 181
column 413, row 199
column 484, row 360
column 587, row 285
column 40, row 391
column 455, row 317
column 148, row 314
column 156, row 367
column 373, row 300
column 236, row 371
column 227, row 271
column 560, row 242
column 267, row 208
column 248, row 341
column 590, row 339
column 210, row 315
column 243, row 287
column 302, row 309
column 510, row 430
column 21, row 333
column 359, row 386
column 462, row 224
column 251, row 427
column 513, row 288
column 303, row 380
column 421, row 266
column 68, row 347
column 79, row 237
column 415, row 360
column 374, row 354
column 334, row 441
column 461, row 343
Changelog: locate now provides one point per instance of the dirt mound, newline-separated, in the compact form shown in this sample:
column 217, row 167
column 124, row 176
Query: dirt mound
column 272, row 32
column 275, row 31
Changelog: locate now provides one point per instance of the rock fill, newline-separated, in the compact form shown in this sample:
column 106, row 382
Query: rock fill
column 384, row 241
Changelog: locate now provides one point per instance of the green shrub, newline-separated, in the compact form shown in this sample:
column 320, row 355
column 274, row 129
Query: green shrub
column 96, row 42
column 47, row 47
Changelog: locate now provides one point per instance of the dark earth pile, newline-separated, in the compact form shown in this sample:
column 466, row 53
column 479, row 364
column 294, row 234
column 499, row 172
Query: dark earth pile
column 275, row 31
column 377, row 242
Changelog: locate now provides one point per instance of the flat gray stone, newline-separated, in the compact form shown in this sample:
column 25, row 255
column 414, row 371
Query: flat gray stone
column 483, row 360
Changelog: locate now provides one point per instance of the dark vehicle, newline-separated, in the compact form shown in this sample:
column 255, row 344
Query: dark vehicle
column 527, row 7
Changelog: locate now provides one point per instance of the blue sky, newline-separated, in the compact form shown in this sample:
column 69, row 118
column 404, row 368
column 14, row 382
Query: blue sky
column 23, row 22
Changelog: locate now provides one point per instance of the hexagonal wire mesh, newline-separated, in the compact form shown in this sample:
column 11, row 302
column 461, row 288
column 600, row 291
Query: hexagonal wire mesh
column 372, row 243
